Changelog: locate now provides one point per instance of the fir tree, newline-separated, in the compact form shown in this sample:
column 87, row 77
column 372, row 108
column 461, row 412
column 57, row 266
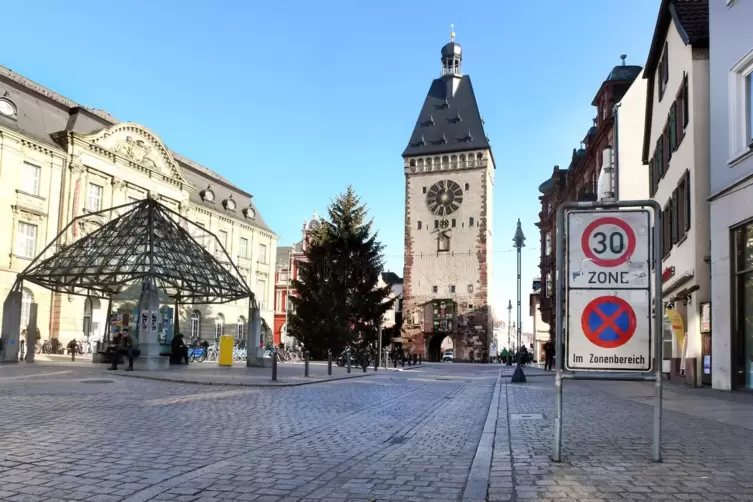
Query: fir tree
column 338, row 302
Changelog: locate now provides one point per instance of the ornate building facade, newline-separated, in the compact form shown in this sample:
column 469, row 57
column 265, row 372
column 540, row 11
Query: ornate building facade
column 449, row 181
column 60, row 160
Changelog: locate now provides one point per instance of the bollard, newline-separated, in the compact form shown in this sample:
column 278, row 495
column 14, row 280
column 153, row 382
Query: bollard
column 347, row 356
column 329, row 362
column 274, row 365
column 376, row 364
column 306, row 364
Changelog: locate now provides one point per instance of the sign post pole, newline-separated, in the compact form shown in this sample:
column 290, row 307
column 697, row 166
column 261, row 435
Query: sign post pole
column 603, row 306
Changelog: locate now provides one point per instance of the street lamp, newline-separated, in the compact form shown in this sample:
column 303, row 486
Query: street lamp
column 509, row 331
column 519, row 240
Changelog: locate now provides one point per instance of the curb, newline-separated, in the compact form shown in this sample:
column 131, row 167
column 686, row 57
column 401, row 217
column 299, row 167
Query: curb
column 239, row 384
column 477, row 485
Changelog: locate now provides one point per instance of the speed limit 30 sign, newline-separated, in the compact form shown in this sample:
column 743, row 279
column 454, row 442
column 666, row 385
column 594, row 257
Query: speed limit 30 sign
column 608, row 249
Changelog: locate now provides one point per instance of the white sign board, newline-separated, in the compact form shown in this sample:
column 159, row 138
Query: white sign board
column 608, row 330
column 608, row 249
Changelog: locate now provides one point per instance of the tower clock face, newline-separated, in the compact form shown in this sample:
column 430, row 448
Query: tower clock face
column 444, row 197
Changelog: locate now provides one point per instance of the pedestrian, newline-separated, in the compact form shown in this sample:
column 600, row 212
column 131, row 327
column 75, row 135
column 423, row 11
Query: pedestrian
column 504, row 355
column 548, row 355
column 125, row 346
column 72, row 348
column 471, row 356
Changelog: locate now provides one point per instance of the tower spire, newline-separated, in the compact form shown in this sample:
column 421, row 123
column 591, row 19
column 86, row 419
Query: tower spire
column 452, row 33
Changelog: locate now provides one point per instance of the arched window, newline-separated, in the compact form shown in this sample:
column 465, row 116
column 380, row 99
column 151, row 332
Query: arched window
column 241, row 330
column 445, row 162
column 419, row 225
column 412, row 163
column 420, row 163
column 219, row 326
column 428, row 162
column 470, row 221
column 27, row 298
column 462, row 160
column 195, row 324
column 467, row 186
column 88, row 307
column 454, row 161
column 479, row 157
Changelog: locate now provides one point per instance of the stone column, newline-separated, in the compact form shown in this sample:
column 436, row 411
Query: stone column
column 149, row 317
column 11, row 327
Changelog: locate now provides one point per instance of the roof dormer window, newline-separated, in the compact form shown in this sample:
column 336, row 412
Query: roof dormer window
column 7, row 108
column 207, row 195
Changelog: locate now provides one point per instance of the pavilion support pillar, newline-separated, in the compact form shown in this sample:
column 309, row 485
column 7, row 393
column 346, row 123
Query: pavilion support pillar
column 11, row 333
column 149, row 317
column 176, row 318
column 254, row 345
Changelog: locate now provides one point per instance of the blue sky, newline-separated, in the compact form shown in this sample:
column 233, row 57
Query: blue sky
column 294, row 100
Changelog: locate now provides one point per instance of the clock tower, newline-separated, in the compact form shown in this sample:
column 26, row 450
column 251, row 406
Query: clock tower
column 449, row 181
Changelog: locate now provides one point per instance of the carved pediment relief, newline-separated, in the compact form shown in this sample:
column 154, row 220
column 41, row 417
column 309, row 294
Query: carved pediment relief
column 138, row 144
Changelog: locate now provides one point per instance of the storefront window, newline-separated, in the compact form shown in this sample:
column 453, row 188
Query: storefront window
column 743, row 238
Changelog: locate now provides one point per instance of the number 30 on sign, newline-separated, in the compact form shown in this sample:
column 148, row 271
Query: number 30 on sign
column 608, row 249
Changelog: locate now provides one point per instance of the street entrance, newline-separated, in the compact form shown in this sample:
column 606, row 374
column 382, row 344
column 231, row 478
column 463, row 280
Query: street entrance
column 437, row 345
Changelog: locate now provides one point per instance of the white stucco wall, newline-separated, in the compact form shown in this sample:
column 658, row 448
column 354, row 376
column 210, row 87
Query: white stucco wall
column 731, row 40
column 632, row 183
column 687, row 256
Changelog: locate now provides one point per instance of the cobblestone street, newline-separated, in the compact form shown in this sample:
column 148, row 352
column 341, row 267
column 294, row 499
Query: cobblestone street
column 80, row 433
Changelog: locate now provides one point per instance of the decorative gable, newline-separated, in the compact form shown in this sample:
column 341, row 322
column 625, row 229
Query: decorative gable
column 135, row 143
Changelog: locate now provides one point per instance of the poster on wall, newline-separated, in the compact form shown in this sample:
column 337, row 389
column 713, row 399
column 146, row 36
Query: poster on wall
column 154, row 321
column 144, row 321
column 705, row 318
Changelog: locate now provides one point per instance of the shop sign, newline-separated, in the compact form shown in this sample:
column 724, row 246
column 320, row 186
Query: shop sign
column 667, row 274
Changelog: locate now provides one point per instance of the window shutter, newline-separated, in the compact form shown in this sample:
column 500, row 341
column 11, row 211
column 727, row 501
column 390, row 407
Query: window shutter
column 673, row 127
column 651, row 190
column 673, row 216
column 681, row 209
column 685, row 102
column 687, row 201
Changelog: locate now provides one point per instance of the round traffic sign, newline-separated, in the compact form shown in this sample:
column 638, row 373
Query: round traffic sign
column 608, row 322
column 608, row 241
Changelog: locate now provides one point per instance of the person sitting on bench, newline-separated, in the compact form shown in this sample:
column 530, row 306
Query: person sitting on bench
column 124, row 345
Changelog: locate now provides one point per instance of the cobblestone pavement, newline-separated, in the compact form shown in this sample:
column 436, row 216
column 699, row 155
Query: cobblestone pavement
column 607, row 440
column 77, row 433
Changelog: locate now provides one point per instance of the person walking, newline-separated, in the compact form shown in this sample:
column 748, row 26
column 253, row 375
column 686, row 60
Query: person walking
column 548, row 355
column 505, row 355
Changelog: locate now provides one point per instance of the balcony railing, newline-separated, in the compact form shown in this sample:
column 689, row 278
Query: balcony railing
column 587, row 193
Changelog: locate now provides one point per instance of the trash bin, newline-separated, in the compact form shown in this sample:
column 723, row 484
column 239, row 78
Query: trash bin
column 225, row 357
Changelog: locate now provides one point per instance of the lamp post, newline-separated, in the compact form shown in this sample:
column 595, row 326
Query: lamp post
column 519, row 240
column 509, row 323
column 287, row 294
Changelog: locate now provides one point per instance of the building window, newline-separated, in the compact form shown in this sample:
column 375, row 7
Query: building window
column 240, row 331
column 261, row 293
column 219, row 326
column 243, row 249
column 423, row 189
column 741, row 108
column 467, row 186
column 454, row 223
column 222, row 236
column 434, row 289
column 742, row 341
column 94, row 198
column 683, row 206
column 26, row 240
column 27, row 298
column 418, row 225
column 681, row 107
column 548, row 244
column 663, row 72
column 549, row 285
column 443, row 243
column 436, row 224
column 195, row 325
column 30, row 178
column 470, row 221
column 262, row 253
column 452, row 289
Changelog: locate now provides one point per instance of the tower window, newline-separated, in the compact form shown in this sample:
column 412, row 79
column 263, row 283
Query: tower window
column 443, row 243
column 434, row 289
column 412, row 163
column 470, row 306
column 452, row 289
column 419, row 225
column 470, row 288
column 467, row 186
column 470, row 221
column 436, row 224
column 453, row 223
column 424, row 190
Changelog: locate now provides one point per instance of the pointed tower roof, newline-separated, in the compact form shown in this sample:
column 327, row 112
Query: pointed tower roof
column 449, row 120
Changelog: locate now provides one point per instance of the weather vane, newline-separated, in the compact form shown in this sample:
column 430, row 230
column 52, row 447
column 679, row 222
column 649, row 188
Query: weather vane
column 452, row 33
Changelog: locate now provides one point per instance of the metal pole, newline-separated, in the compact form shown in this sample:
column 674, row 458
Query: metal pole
column 306, row 363
column 329, row 362
column 379, row 347
column 347, row 357
column 559, row 347
column 274, row 365
column 658, row 326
